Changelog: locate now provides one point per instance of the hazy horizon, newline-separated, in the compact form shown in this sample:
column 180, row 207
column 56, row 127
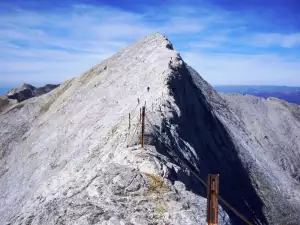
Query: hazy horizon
column 4, row 90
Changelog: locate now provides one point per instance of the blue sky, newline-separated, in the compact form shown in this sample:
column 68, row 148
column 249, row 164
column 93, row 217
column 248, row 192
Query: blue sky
column 227, row 42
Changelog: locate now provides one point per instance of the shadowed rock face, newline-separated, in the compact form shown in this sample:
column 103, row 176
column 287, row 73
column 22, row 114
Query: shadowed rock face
column 252, row 142
column 214, row 148
column 27, row 91
column 79, row 161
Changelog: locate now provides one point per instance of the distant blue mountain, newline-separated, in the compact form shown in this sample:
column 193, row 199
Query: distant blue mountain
column 289, row 94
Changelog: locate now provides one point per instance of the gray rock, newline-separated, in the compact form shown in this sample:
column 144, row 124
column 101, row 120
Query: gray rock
column 4, row 102
column 26, row 91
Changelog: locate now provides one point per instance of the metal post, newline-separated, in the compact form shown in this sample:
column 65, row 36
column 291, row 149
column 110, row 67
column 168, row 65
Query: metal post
column 143, row 126
column 212, row 199
column 129, row 122
column 140, row 115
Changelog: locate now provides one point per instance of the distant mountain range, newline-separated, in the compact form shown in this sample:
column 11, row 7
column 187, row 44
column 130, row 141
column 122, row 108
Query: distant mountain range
column 289, row 94
column 26, row 91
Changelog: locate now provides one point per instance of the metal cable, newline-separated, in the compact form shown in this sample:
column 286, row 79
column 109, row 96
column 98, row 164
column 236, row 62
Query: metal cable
column 135, row 132
column 201, row 180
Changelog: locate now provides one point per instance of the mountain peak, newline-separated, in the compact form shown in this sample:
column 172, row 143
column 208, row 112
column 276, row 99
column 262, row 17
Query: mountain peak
column 77, row 150
column 159, row 37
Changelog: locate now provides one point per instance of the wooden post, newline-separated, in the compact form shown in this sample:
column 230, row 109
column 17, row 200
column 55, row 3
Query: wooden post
column 143, row 126
column 212, row 199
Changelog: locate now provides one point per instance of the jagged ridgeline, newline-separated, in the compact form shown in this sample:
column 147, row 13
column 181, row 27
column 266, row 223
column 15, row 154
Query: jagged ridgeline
column 25, row 91
column 74, row 156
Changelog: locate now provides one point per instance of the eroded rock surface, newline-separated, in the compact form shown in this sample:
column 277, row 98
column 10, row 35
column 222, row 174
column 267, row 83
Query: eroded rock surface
column 120, row 195
column 73, row 156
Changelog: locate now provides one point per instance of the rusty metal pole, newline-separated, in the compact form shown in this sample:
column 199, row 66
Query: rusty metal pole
column 212, row 199
column 143, row 126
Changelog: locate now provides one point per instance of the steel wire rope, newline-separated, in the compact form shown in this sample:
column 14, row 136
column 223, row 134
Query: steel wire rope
column 199, row 178
column 135, row 131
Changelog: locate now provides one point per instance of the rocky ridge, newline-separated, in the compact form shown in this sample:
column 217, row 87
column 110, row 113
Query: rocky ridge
column 26, row 91
column 77, row 157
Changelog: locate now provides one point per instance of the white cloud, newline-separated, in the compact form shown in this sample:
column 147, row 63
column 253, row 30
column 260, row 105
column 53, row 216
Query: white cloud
column 203, row 44
column 236, row 69
column 54, row 70
column 57, row 45
column 53, row 47
column 184, row 25
column 276, row 39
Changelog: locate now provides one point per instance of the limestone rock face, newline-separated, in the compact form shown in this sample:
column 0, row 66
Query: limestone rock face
column 73, row 156
column 273, row 136
column 26, row 91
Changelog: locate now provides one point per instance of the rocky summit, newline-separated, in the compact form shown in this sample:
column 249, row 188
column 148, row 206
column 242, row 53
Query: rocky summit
column 26, row 91
column 74, row 155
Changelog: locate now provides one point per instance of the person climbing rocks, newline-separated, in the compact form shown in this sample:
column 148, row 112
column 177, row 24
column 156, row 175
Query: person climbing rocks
column 148, row 89
column 138, row 101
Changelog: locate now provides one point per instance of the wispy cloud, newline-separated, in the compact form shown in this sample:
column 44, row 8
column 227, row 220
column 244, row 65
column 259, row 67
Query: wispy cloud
column 59, row 43
column 275, row 39
column 203, row 44
column 239, row 69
